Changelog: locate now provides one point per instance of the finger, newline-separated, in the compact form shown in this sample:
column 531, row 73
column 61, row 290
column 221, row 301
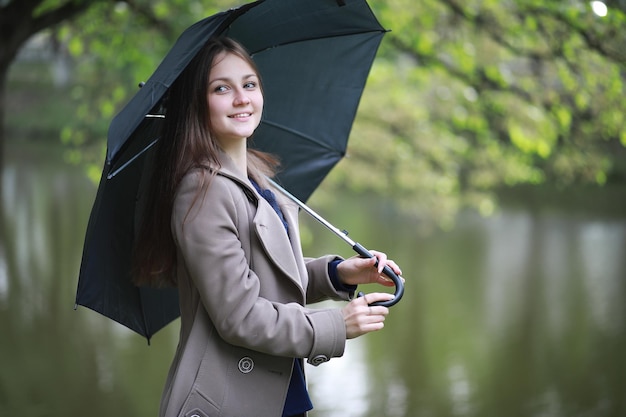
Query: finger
column 375, row 311
column 377, row 296
column 385, row 281
column 382, row 260
column 372, row 327
column 394, row 267
column 372, row 262
column 375, row 315
column 364, row 262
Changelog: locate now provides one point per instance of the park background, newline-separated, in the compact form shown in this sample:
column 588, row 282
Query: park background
column 488, row 158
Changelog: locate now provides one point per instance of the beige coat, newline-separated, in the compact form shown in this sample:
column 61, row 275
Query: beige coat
column 243, row 284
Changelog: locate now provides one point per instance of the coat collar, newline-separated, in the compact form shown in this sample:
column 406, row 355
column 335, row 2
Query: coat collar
column 284, row 251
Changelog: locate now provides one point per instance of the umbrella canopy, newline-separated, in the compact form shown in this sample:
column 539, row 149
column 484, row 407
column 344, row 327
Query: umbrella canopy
column 313, row 56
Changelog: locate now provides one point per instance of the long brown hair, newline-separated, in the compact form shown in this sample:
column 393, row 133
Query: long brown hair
column 186, row 143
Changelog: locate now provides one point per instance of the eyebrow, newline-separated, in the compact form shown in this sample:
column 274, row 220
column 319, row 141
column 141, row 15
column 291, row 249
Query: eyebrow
column 227, row 79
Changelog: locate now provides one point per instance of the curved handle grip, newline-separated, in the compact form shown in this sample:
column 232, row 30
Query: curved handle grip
column 358, row 248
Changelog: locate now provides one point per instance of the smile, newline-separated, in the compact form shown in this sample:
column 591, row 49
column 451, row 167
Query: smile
column 236, row 116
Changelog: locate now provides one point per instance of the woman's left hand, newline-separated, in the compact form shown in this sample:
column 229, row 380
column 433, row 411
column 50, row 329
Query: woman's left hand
column 358, row 270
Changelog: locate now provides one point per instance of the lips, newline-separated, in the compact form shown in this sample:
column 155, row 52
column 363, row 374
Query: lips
column 240, row 115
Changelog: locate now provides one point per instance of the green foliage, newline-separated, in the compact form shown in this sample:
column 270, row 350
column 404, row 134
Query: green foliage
column 116, row 46
column 466, row 97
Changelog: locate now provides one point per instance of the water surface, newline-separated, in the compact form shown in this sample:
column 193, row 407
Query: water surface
column 520, row 314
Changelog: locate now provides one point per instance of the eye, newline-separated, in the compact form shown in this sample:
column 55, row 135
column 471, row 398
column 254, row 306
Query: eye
column 221, row 89
column 250, row 85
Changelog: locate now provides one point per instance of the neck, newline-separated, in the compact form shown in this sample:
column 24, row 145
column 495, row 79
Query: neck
column 238, row 153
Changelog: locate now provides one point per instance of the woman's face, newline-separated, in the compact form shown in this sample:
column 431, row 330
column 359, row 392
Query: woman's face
column 234, row 98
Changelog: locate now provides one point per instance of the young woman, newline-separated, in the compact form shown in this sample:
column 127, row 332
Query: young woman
column 215, row 230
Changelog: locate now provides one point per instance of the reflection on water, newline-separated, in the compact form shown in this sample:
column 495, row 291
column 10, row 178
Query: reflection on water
column 521, row 314
column 340, row 377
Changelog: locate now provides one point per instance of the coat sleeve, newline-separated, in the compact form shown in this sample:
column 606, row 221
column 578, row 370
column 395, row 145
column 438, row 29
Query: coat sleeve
column 209, row 243
column 320, row 285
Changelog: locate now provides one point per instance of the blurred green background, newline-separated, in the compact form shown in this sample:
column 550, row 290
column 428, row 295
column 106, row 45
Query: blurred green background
column 487, row 158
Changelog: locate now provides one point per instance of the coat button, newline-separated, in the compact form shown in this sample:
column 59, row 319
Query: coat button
column 246, row 365
column 318, row 360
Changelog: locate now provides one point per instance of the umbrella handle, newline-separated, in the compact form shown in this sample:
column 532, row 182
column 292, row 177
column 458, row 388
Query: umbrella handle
column 358, row 248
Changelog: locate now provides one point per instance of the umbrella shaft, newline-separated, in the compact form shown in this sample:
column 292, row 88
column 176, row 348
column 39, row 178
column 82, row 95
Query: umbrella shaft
column 341, row 234
column 357, row 247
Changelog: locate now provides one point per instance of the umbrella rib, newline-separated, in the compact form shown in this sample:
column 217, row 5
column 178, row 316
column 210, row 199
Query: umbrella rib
column 114, row 173
column 333, row 36
column 300, row 134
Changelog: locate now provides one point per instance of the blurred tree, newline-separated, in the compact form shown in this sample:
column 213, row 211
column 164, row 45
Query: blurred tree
column 465, row 96
column 475, row 95
column 109, row 39
column 19, row 20
column 115, row 48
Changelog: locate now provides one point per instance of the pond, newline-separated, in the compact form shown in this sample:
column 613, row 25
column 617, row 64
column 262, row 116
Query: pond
column 519, row 314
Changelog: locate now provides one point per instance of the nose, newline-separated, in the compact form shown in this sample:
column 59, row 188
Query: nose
column 241, row 98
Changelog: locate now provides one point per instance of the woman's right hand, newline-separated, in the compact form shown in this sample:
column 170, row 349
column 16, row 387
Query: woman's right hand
column 360, row 318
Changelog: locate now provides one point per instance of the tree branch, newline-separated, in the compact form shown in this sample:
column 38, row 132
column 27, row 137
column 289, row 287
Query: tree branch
column 592, row 39
column 492, row 28
column 17, row 23
column 479, row 81
column 58, row 15
column 146, row 12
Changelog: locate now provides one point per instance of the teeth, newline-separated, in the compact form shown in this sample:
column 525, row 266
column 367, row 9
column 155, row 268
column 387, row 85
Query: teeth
column 241, row 115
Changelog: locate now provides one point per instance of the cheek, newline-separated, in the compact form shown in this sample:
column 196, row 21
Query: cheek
column 259, row 101
column 215, row 106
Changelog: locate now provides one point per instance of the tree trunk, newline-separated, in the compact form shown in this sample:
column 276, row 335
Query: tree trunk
column 17, row 25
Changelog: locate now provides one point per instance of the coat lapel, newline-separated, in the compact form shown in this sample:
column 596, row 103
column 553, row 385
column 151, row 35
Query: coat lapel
column 275, row 241
column 281, row 250
column 290, row 212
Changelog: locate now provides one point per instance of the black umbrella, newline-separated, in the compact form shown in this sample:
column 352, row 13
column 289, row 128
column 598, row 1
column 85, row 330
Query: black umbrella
column 323, row 49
